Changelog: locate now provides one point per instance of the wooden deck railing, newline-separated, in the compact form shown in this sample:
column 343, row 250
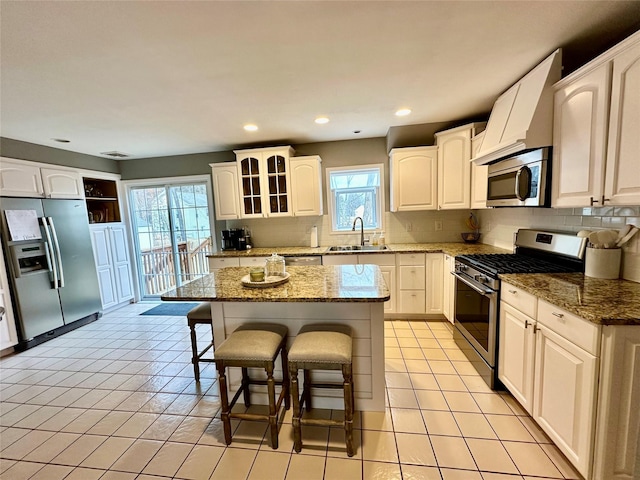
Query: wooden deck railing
column 159, row 268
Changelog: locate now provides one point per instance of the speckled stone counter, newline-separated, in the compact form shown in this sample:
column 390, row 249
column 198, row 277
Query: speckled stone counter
column 321, row 283
column 605, row 302
column 455, row 248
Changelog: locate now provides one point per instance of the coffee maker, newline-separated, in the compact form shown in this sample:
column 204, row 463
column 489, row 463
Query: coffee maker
column 231, row 239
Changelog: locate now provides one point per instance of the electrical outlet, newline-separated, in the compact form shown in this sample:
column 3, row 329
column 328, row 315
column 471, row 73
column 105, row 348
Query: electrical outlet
column 438, row 225
column 408, row 227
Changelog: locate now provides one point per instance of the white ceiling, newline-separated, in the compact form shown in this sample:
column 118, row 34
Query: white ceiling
column 153, row 78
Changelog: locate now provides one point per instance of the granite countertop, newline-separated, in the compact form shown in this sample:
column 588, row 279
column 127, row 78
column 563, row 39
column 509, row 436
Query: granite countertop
column 321, row 283
column 604, row 302
column 454, row 248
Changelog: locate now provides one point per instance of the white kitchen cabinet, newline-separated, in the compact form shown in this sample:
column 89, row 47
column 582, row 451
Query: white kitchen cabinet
column 413, row 178
column 216, row 263
column 454, row 166
column 111, row 255
column 449, row 287
column 565, row 389
column 61, row 183
column 226, row 197
column 478, row 175
column 25, row 179
column 622, row 181
column 434, row 290
column 596, row 120
column 306, row 185
column 517, row 353
column 411, row 283
column 8, row 333
column 264, row 182
column 348, row 259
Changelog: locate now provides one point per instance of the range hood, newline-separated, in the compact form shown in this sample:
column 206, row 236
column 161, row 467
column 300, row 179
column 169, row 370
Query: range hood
column 522, row 117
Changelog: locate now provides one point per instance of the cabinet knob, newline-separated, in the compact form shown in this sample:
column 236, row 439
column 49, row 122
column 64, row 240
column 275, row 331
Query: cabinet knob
column 592, row 201
column 535, row 329
column 559, row 315
column 513, row 292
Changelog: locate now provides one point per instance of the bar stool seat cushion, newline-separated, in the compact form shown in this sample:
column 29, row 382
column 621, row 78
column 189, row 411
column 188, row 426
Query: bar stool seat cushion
column 258, row 342
column 201, row 312
column 322, row 344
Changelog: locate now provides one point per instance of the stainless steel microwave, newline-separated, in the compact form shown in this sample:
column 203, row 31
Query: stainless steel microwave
column 520, row 181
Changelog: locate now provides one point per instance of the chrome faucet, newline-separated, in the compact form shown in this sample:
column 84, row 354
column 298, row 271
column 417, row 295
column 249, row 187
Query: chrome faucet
column 353, row 229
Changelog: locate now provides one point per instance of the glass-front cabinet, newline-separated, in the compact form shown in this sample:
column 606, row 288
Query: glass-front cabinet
column 264, row 182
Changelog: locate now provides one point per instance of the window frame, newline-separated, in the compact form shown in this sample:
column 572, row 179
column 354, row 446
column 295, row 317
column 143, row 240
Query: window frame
column 379, row 197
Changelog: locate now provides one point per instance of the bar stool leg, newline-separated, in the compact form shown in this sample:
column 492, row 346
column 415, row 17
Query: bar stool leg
column 224, row 402
column 194, row 352
column 306, row 391
column 245, row 387
column 348, row 409
column 273, row 418
column 297, row 433
column 285, row 378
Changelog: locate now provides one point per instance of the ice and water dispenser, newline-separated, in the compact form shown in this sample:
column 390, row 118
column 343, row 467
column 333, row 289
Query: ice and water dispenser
column 29, row 258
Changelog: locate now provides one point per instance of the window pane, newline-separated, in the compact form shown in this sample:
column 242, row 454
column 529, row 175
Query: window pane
column 352, row 204
column 355, row 179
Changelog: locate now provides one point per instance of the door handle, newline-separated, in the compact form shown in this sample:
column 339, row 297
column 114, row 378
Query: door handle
column 56, row 245
column 53, row 268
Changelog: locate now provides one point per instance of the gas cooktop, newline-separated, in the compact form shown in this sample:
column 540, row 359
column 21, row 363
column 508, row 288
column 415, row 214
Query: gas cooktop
column 496, row 263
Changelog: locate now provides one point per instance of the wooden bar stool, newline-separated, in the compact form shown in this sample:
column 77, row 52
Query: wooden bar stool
column 199, row 315
column 251, row 346
column 321, row 347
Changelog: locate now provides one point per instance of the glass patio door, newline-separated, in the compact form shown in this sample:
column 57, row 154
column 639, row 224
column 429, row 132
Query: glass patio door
column 172, row 232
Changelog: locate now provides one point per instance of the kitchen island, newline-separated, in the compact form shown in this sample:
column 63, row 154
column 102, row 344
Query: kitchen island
column 351, row 295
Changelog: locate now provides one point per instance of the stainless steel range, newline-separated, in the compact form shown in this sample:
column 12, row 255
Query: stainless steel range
column 477, row 297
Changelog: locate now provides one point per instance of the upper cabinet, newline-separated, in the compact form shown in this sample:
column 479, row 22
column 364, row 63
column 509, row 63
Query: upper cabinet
column 596, row 125
column 225, row 190
column 267, row 182
column 413, row 178
column 26, row 179
column 454, row 166
column 101, row 197
column 306, row 185
column 478, row 175
column 264, row 182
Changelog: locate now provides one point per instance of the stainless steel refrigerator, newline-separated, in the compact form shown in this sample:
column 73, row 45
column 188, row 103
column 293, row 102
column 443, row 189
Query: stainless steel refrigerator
column 50, row 265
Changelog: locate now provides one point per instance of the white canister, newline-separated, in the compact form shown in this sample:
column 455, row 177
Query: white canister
column 313, row 240
column 603, row 263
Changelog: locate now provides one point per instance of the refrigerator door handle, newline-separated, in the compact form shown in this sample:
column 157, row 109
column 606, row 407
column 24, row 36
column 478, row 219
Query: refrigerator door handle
column 49, row 252
column 57, row 247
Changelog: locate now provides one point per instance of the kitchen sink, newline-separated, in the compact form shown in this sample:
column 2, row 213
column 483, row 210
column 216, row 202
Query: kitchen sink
column 358, row 248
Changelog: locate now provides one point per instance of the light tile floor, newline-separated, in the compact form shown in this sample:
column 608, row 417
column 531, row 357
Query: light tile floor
column 116, row 400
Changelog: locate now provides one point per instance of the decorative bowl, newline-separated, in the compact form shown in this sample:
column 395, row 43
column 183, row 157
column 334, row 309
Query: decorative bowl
column 470, row 237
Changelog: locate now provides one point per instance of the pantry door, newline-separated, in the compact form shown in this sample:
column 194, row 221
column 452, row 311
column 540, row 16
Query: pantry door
column 172, row 234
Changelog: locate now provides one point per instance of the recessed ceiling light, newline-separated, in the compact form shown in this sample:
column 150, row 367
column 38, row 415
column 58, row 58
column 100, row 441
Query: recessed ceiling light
column 403, row 112
column 321, row 120
column 250, row 127
column 61, row 140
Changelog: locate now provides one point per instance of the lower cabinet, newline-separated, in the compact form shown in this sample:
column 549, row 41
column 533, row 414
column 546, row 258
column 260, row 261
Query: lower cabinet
column 434, row 285
column 550, row 364
column 411, row 283
column 8, row 333
column 111, row 254
column 448, row 287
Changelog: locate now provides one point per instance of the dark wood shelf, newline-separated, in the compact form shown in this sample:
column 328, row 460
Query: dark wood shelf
column 101, row 197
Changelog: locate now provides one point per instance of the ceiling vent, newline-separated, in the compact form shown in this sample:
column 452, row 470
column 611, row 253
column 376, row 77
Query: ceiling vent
column 115, row 154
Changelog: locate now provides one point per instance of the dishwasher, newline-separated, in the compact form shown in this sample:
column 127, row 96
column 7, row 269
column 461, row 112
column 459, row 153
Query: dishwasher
column 302, row 261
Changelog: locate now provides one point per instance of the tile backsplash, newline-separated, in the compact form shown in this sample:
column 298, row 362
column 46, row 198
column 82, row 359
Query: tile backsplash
column 497, row 228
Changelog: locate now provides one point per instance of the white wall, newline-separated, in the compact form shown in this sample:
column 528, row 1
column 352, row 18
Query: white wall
column 499, row 224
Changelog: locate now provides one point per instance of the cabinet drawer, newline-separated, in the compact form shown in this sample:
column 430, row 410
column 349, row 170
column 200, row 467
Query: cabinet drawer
column 578, row 331
column 218, row 262
column 382, row 259
column 411, row 301
column 252, row 261
column 412, row 278
column 518, row 298
column 411, row 259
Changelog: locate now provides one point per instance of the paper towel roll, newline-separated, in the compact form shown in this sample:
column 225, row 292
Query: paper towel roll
column 313, row 242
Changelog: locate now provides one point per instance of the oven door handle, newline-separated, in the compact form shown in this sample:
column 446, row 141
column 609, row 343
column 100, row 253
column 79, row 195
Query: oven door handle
column 485, row 293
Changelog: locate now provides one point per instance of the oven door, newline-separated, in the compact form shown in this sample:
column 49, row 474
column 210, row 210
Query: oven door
column 476, row 316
